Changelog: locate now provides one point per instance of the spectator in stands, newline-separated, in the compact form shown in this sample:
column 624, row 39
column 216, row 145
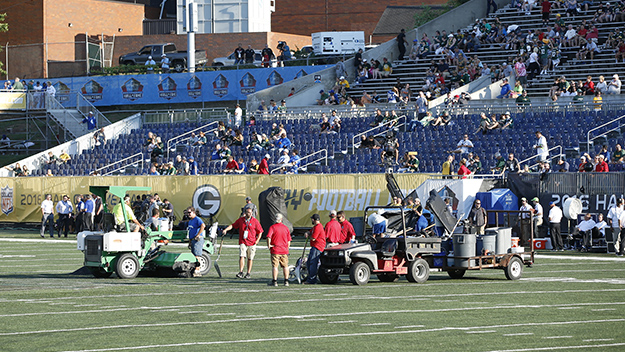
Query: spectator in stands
column 562, row 166
column 585, row 165
column 442, row 119
column 463, row 171
column 253, row 167
column 523, row 101
column 237, row 139
column 505, row 121
column 153, row 171
column 232, row 166
column 512, row 164
column 521, row 72
column 589, row 86
column 90, row 120
column 601, row 166
column 99, row 138
column 183, row 167
column 283, row 142
column 17, row 169
column 51, row 159
column 618, row 156
column 64, row 157
column 546, row 10
column 410, row 162
column 340, row 69
column 294, row 162
column 448, row 167
column 505, row 89
column 601, row 86
column 464, row 146
column 263, row 168
column 369, row 142
column 336, row 125
column 255, row 140
column 262, row 108
column 323, row 96
column 486, row 124
column 541, row 146
column 387, row 68
column 614, row 87
column 157, row 149
column 606, row 154
column 193, row 167
column 401, row 44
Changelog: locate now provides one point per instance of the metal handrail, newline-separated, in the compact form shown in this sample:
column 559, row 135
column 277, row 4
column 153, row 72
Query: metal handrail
column 100, row 118
column 356, row 145
column 598, row 127
column 325, row 158
column 536, row 155
column 174, row 141
column 97, row 171
column 183, row 115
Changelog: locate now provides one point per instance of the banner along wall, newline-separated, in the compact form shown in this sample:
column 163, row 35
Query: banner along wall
column 221, row 195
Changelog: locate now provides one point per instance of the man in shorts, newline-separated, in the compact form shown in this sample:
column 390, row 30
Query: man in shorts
column 278, row 242
column 250, row 232
column 195, row 229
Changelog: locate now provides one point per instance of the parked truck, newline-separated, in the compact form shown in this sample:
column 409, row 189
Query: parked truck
column 338, row 43
column 177, row 59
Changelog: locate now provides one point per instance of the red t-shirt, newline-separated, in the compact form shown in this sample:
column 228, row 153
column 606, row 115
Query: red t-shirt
column 253, row 228
column 602, row 167
column 546, row 6
column 318, row 237
column 232, row 165
column 263, row 168
column 347, row 231
column 333, row 231
column 279, row 236
column 464, row 171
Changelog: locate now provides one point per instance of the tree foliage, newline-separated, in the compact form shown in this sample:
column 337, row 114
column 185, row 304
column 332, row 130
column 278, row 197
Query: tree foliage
column 4, row 27
column 427, row 13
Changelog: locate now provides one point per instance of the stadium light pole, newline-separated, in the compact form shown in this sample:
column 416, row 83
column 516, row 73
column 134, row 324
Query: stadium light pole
column 192, row 27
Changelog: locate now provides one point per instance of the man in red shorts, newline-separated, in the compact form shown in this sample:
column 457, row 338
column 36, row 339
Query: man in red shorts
column 333, row 230
column 250, row 232
column 278, row 242
column 347, row 229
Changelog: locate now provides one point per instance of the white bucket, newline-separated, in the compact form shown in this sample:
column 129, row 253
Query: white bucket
column 163, row 224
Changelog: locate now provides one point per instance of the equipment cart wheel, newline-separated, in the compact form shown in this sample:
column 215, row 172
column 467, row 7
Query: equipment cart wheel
column 327, row 278
column 99, row 273
column 456, row 273
column 127, row 266
column 205, row 263
column 388, row 277
column 359, row 273
column 418, row 271
column 514, row 270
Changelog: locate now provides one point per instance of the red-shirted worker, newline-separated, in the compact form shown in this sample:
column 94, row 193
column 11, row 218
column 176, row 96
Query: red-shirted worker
column 278, row 242
column 317, row 245
column 250, row 232
column 333, row 230
column 263, row 168
column 347, row 229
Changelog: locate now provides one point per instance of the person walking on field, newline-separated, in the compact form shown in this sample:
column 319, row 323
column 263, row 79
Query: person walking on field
column 317, row 246
column 195, row 227
column 250, row 233
column 278, row 243
column 47, row 215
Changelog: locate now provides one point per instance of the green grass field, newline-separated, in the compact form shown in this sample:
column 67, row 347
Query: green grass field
column 566, row 301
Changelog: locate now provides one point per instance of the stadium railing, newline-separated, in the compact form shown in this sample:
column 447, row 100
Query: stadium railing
column 617, row 120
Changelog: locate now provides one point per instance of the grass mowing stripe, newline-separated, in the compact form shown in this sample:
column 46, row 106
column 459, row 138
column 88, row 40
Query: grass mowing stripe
column 276, row 318
column 377, row 333
column 562, row 347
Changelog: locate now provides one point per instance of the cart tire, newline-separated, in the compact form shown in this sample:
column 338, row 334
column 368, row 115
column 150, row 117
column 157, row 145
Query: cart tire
column 359, row 273
column 327, row 278
column 514, row 270
column 388, row 277
column 418, row 271
column 456, row 273
column 127, row 266
column 205, row 263
column 99, row 273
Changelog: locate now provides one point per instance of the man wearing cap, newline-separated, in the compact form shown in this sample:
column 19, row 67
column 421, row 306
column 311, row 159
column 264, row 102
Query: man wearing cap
column 317, row 246
column 541, row 147
column 193, row 167
column 263, row 168
column 164, row 63
column 250, row 233
column 464, row 146
column 537, row 218
column 477, row 217
column 526, row 222
column 323, row 96
column 584, row 231
column 555, row 217
column 347, row 229
column 333, row 230
column 249, row 204
column 90, row 120
column 278, row 243
column 578, row 100
column 150, row 63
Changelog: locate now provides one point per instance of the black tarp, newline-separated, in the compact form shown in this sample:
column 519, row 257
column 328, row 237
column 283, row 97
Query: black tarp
column 270, row 203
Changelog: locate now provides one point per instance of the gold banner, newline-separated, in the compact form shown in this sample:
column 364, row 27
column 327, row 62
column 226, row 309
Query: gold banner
column 305, row 195
column 12, row 101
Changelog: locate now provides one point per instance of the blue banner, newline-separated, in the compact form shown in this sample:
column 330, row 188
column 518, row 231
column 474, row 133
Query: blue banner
column 177, row 87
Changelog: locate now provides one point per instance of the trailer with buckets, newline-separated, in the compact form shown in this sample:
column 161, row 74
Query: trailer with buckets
column 126, row 253
column 407, row 252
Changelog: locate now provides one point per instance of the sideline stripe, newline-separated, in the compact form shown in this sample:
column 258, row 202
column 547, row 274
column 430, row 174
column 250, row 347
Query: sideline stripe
column 377, row 333
column 562, row 347
column 234, row 320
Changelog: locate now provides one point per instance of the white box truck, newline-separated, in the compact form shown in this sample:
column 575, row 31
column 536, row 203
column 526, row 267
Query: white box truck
column 337, row 43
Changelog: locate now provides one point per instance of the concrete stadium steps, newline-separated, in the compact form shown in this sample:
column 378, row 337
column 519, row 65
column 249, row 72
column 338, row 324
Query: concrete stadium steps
column 70, row 119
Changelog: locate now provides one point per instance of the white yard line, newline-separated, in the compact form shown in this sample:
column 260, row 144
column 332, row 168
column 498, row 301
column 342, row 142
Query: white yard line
column 481, row 332
column 557, row 337
column 612, row 258
column 361, row 334
column 577, row 347
column 375, row 324
column 520, row 334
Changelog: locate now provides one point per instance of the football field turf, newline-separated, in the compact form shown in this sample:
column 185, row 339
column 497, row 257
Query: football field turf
column 566, row 301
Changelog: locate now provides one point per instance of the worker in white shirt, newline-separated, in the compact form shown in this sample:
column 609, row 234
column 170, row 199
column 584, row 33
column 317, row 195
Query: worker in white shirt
column 526, row 222
column 555, row 217
column 64, row 208
column 537, row 218
column 619, row 250
column 614, row 214
column 584, row 230
column 47, row 212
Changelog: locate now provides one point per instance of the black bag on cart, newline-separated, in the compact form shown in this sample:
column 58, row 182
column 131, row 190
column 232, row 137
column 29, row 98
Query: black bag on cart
column 270, row 203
